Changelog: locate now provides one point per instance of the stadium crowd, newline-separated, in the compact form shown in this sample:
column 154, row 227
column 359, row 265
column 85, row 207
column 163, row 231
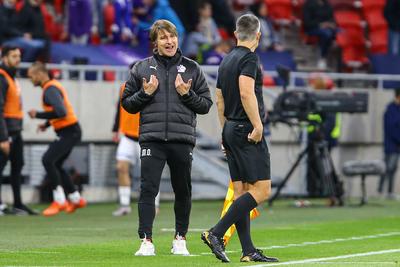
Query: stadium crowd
column 358, row 28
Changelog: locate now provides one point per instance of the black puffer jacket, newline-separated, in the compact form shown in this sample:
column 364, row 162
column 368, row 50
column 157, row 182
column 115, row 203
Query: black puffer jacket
column 166, row 116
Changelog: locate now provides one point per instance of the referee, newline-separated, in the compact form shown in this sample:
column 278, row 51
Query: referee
column 241, row 109
column 168, row 90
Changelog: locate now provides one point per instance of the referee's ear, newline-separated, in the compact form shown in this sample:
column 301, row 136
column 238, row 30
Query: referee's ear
column 236, row 35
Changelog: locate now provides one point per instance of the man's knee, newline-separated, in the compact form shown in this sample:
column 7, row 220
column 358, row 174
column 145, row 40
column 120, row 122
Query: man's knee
column 261, row 190
column 123, row 167
column 183, row 193
column 148, row 191
column 239, row 189
column 47, row 160
column 187, row 198
column 17, row 167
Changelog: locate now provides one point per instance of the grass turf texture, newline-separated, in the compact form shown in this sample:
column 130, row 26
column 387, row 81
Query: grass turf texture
column 92, row 237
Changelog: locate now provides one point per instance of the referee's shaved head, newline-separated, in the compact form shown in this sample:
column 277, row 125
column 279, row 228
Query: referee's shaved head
column 247, row 27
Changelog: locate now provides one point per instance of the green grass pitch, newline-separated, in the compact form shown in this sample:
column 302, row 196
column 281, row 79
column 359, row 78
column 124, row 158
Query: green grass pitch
column 312, row 236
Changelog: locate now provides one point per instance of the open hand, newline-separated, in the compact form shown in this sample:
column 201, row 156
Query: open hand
column 151, row 86
column 181, row 87
column 115, row 137
column 32, row 113
column 5, row 147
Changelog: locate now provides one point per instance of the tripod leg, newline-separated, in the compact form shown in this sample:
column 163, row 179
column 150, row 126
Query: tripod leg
column 337, row 191
column 282, row 184
column 363, row 191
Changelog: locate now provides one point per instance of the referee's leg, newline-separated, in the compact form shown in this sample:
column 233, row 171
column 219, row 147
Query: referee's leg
column 243, row 224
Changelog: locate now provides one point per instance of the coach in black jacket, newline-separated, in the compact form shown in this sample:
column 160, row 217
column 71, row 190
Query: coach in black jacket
column 168, row 90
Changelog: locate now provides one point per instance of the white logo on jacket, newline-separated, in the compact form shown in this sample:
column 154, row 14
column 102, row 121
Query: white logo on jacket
column 181, row 68
column 153, row 67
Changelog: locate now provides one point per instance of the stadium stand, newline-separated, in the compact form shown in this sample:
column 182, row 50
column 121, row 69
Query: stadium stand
column 363, row 31
column 281, row 11
column 386, row 64
column 377, row 26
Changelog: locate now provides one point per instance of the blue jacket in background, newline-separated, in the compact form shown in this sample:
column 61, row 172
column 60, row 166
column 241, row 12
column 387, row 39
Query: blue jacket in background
column 391, row 124
column 163, row 10
column 123, row 11
column 79, row 17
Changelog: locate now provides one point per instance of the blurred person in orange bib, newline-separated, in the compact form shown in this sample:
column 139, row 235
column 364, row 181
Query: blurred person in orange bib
column 59, row 114
column 11, row 115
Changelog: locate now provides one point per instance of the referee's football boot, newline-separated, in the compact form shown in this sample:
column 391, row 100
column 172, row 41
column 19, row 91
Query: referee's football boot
column 257, row 256
column 216, row 244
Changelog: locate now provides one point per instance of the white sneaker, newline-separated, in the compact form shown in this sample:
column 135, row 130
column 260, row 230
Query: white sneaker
column 122, row 210
column 3, row 209
column 179, row 246
column 146, row 248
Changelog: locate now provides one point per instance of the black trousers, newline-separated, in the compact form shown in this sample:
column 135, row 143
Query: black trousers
column 58, row 151
column 16, row 158
column 153, row 157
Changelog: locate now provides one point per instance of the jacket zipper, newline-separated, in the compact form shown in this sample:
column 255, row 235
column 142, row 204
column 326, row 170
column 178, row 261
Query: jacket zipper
column 167, row 104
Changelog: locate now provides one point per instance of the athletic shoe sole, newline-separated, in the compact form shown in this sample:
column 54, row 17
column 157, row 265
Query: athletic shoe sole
column 221, row 257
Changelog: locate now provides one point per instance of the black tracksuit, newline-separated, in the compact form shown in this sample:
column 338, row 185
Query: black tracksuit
column 167, row 131
column 10, row 129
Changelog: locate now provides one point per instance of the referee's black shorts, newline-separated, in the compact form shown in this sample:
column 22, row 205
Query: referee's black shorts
column 248, row 162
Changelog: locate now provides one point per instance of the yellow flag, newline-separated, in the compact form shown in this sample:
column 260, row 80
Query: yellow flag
column 227, row 203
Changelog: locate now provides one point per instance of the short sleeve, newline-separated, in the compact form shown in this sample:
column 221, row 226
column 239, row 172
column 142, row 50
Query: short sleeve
column 218, row 82
column 249, row 65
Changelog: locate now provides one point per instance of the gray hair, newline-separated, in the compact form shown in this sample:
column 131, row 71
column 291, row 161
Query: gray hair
column 247, row 26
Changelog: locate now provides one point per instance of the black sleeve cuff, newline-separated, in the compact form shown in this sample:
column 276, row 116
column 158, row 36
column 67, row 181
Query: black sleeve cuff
column 188, row 95
column 142, row 94
column 47, row 115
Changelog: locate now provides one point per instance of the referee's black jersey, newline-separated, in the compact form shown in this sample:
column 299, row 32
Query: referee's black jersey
column 240, row 61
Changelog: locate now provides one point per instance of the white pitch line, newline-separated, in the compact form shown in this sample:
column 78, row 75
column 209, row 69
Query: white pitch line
column 330, row 258
column 27, row 251
column 353, row 263
column 84, row 229
column 310, row 243
column 336, row 240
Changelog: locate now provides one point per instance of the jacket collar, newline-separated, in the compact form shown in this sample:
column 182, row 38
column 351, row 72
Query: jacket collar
column 11, row 71
column 168, row 61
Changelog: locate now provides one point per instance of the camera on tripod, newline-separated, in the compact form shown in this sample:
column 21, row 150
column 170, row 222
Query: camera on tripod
column 298, row 104
column 294, row 107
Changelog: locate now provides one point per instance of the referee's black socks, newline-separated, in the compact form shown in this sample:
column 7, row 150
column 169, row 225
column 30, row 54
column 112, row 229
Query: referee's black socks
column 243, row 230
column 240, row 208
